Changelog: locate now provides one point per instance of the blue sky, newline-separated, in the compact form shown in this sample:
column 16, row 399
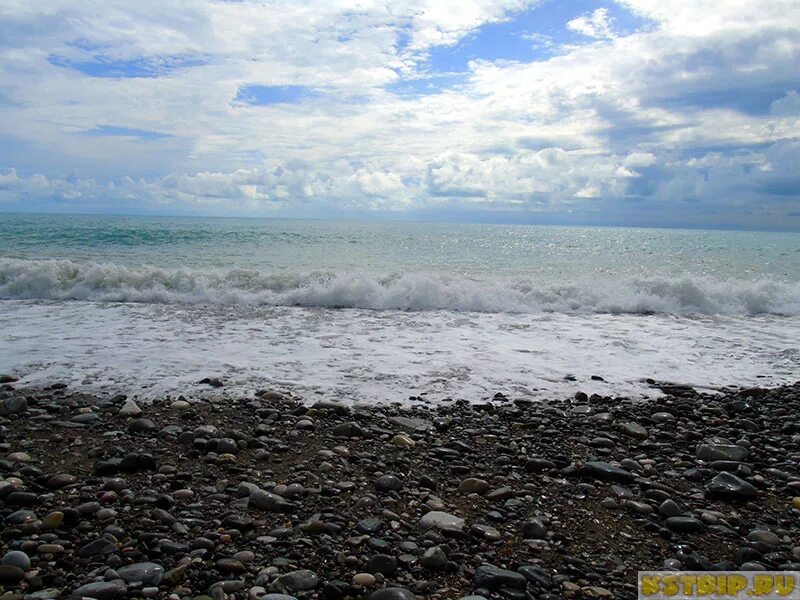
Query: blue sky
column 633, row 112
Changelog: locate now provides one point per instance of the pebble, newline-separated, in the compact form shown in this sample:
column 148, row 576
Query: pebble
column 392, row 593
column 364, row 579
column 295, row 581
column 18, row 559
column 130, row 409
column 434, row 559
column 388, row 483
column 473, row 485
column 146, row 573
column 141, row 426
column 9, row 574
column 561, row 501
column 730, row 487
column 440, row 520
column 403, row 441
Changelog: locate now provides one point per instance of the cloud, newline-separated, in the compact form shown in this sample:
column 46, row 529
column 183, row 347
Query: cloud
column 597, row 24
column 686, row 107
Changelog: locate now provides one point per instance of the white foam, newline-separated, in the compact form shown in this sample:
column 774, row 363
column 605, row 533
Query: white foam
column 376, row 356
column 67, row 280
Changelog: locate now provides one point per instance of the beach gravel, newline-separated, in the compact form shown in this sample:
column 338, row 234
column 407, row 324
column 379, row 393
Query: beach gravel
column 271, row 497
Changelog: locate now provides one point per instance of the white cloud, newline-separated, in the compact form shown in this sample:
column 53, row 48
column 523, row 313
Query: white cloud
column 621, row 116
column 597, row 24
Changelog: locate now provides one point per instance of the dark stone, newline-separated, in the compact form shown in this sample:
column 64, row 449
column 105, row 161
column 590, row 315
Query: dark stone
column 493, row 578
column 383, row 564
column 684, row 524
column 10, row 575
column 388, row 483
column 98, row 547
column 392, row 593
column 606, row 472
column 730, row 487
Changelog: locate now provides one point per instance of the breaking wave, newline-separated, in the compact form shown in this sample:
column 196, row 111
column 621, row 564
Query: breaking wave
column 67, row 280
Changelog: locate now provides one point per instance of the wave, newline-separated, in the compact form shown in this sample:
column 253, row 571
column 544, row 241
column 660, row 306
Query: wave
column 68, row 280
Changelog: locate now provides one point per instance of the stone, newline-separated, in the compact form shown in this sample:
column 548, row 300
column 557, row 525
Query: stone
column 410, row 424
column 764, row 537
column 85, row 418
column 668, row 508
column 130, row 409
column 141, row 426
column 606, row 472
column 10, row 575
column 634, row 430
column 370, row 526
column 437, row 519
column 146, row 573
column 99, row 590
column 728, row 486
column 59, row 481
column 472, row 485
column 534, row 530
column 392, row 593
column 295, row 581
column 593, row 591
column 364, row 579
column 493, row 578
column 684, row 524
column 403, row 441
column 501, row 493
column 98, row 547
column 348, row 430
column 269, row 502
column 383, row 564
column 485, row 532
column 13, row 405
column 388, row 483
column 434, row 559
column 712, row 452
column 53, row 519
column 537, row 465
column 18, row 559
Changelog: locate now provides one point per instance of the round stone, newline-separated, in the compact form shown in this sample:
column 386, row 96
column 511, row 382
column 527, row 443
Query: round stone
column 146, row 573
column 383, row 564
column 403, row 441
column 18, row 559
column 141, row 426
column 437, row 519
column 19, row 457
column 434, row 559
column 364, row 579
column 388, row 483
column 392, row 593
column 473, row 485
column 295, row 581
column 59, row 481
column 10, row 575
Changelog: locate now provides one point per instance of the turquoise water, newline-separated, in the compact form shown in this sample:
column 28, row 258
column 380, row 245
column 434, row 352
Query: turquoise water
column 381, row 247
column 380, row 311
column 409, row 266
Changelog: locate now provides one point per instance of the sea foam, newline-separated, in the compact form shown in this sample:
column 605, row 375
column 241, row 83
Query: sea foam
column 108, row 282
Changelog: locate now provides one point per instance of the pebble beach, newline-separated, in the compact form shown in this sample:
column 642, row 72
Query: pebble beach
column 277, row 497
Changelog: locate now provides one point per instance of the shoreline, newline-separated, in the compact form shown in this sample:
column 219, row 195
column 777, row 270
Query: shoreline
column 250, row 496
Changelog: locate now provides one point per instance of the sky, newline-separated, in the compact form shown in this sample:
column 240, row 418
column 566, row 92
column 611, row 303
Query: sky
column 615, row 112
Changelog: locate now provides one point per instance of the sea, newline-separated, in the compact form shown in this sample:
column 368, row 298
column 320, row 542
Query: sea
column 369, row 312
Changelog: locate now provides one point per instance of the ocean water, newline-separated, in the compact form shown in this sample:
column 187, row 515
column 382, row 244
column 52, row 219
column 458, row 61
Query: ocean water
column 375, row 311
